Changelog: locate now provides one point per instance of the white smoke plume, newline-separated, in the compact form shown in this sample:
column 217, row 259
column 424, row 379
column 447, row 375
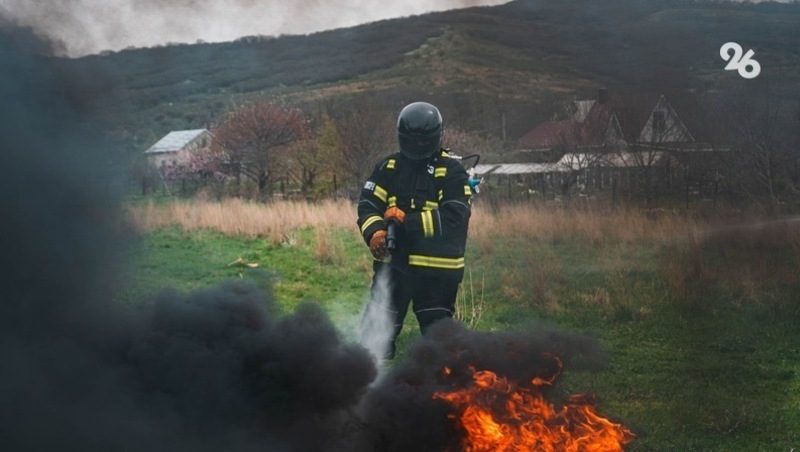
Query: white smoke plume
column 377, row 323
column 91, row 26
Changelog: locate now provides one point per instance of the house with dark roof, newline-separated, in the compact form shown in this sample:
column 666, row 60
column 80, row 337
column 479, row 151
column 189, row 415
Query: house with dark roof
column 594, row 126
column 591, row 151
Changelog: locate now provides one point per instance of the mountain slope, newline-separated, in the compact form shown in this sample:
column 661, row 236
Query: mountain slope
column 513, row 58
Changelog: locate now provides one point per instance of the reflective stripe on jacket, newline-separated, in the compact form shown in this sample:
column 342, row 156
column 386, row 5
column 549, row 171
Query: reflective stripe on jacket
column 435, row 195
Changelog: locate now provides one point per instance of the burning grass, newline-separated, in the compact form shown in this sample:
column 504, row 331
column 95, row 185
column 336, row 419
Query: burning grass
column 497, row 414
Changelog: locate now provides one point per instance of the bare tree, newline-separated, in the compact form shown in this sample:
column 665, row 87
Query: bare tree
column 250, row 137
column 577, row 167
column 761, row 130
column 579, row 152
column 305, row 163
column 653, row 130
column 365, row 132
column 314, row 157
column 463, row 142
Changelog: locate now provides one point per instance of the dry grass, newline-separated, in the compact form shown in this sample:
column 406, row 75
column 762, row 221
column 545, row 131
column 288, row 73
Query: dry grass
column 531, row 280
column 275, row 221
column 328, row 248
column 278, row 220
column 750, row 262
column 597, row 225
column 470, row 303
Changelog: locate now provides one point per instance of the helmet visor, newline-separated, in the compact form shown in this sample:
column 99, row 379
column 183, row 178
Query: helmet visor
column 419, row 147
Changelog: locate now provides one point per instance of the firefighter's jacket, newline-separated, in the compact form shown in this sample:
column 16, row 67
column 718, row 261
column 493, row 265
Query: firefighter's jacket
column 435, row 196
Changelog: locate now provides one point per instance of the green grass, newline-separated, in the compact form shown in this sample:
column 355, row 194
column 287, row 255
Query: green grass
column 182, row 261
column 716, row 371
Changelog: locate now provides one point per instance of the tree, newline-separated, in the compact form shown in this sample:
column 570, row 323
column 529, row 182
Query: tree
column 762, row 131
column 656, row 128
column 250, row 137
column 320, row 157
column 314, row 157
column 577, row 167
column 465, row 143
column 649, row 127
column 365, row 133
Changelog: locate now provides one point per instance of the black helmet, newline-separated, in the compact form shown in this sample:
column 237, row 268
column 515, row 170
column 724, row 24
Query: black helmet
column 419, row 129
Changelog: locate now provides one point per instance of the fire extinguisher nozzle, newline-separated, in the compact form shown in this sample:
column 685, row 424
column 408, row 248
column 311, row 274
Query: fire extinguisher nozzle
column 391, row 235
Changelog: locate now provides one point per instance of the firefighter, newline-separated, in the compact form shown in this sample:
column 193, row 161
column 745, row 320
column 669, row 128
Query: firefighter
column 425, row 195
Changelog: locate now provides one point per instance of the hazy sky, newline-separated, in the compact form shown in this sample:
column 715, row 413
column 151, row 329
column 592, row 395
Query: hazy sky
column 90, row 26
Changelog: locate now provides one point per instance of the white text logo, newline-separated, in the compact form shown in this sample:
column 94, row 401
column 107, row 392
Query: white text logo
column 748, row 67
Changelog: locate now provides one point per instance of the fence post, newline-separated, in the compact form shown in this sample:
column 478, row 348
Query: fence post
column 686, row 179
column 614, row 188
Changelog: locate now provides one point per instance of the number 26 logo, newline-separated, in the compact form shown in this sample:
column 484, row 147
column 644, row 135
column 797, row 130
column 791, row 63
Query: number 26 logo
column 748, row 67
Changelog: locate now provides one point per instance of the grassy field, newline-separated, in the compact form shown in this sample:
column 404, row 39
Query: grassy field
column 699, row 321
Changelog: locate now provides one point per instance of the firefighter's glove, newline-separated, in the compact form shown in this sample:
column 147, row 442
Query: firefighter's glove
column 394, row 214
column 377, row 244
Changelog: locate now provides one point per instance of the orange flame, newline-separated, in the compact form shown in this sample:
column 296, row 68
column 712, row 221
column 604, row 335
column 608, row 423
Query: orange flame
column 498, row 415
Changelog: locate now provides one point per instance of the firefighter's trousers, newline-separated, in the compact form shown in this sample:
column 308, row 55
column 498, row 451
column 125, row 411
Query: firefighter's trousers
column 433, row 297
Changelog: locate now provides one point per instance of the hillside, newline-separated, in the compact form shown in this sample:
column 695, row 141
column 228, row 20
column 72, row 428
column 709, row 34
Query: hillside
column 478, row 63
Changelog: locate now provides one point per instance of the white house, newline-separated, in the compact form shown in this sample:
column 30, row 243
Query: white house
column 176, row 147
column 663, row 126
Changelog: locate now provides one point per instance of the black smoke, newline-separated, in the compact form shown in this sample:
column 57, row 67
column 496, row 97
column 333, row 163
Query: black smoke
column 219, row 369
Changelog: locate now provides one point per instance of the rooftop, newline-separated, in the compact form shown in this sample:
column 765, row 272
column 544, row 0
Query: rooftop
column 517, row 168
column 175, row 141
column 588, row 128
column 574, row 161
